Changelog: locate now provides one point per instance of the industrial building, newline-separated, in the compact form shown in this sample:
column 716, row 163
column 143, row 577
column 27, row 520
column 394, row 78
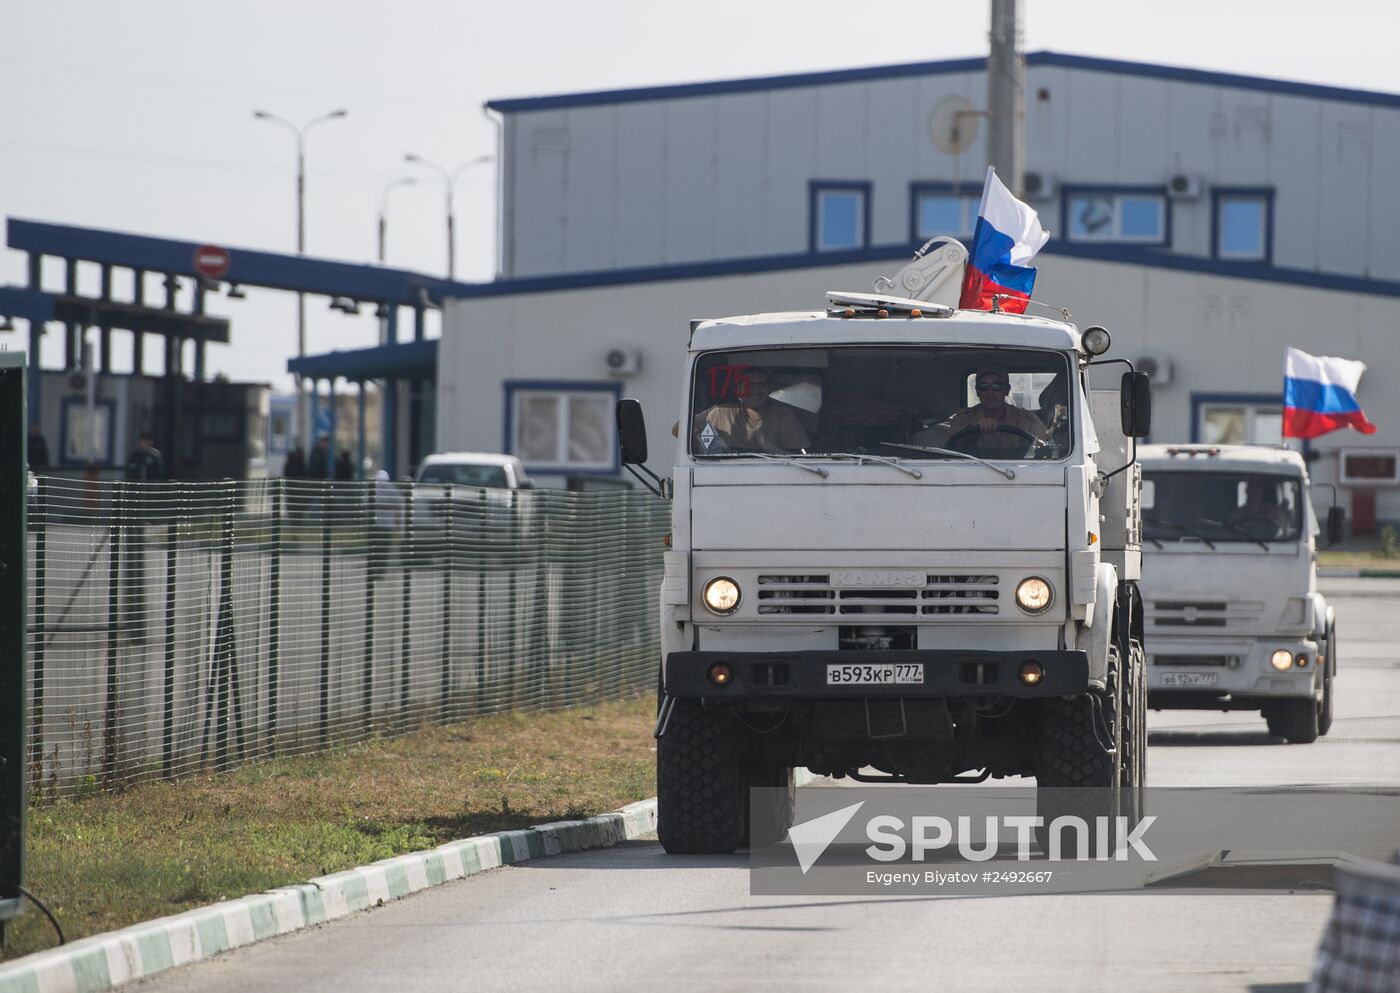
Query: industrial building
column 1208, row 219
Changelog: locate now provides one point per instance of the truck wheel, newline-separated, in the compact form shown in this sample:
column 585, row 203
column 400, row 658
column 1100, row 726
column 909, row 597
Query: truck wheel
column 1133, row 773
column 1079, row 754
column 1324, row 715
column 700, row 798
column 776, row 803
column 1294, row 719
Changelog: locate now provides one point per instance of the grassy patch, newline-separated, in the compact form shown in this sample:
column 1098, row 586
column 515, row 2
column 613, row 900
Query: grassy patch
column 109, row 861
column 1364, row 559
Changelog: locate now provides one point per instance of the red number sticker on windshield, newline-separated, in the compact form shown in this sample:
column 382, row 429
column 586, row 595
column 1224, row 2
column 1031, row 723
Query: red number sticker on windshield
column 725, row 379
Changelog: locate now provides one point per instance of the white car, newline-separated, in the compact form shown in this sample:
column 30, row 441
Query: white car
column 466, row 478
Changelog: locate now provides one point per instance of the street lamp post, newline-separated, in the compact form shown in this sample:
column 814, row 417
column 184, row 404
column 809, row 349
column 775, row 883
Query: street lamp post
column 300, row 134
column 393, row 184
column 450, row 180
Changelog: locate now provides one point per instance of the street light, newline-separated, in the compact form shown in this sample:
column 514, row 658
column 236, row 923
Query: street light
column 393, row 184
column 300, row 134
column 450, row 178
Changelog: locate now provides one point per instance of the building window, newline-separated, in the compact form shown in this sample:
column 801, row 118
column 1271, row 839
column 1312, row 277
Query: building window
column 87, row 431
column 938, row 209
column 563, row 427
column 840, row 216
column 1237, row 420
column 1136, row 216
column 1370, row 467
column 1242, row 224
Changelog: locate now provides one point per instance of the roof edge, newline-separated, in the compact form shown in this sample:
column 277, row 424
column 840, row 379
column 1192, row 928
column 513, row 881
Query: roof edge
column 1206, row 77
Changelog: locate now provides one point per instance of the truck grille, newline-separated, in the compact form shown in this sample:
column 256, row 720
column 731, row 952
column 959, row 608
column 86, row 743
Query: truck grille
column 940, row 594
column 1203, row 613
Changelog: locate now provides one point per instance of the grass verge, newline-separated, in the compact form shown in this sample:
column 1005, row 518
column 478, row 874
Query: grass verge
column 106, row 862
column 1371, row 559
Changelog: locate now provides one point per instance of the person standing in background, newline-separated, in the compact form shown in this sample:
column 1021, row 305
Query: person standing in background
column 145, row 464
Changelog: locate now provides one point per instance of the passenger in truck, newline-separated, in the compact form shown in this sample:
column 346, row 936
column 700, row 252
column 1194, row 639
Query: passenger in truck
column 755, row 424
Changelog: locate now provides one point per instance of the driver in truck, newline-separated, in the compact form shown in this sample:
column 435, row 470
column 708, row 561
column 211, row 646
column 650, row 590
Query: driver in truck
column 992, row 412
column 755, row 424
column 1261, row 508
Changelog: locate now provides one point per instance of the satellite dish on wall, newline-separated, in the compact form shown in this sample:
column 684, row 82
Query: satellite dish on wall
column 953, row 124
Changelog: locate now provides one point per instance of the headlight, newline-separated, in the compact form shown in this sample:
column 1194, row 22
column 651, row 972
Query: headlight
column 1033, row 595
column 721, row 595
column 1282, row 660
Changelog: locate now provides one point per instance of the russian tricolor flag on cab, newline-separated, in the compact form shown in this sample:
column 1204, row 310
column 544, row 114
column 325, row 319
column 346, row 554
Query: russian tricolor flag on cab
column 1007, row 237
column 1319, row 395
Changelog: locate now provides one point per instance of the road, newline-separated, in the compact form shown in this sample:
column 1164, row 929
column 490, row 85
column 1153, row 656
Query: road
column 632, row 918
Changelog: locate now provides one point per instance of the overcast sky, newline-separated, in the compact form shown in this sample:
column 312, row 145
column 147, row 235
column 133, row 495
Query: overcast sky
column 137, row 116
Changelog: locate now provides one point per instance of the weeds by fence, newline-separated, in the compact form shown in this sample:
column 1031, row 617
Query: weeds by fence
column 181, row 627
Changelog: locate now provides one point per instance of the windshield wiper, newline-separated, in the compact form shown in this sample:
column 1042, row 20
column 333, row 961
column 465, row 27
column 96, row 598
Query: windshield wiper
column 860, row 459
column 1008, row 473
column 783, row 459
column 1235, row 528
column 1180, row 527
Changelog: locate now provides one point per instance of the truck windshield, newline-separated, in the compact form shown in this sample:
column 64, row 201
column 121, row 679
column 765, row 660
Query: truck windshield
column 1219, row 507
column 902, row 401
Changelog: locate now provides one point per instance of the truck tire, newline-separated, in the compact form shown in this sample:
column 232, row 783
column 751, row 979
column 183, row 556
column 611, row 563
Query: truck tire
column 700, row 795
column 1324, row 715
column 776, row 802
column 1075, row 773
column 1295, row 720
column 1133, row 773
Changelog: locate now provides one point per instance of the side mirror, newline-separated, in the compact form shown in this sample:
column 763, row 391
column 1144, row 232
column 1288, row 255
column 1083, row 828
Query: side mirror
column 1336, row 518
column 1135, row 403
column 632, row 431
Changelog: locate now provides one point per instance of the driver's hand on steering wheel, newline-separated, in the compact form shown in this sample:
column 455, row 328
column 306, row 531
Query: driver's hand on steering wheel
column 987, row 425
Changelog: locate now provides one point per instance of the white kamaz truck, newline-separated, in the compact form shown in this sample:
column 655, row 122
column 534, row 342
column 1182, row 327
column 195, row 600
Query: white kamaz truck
column 1234, row 617
column 905, row 548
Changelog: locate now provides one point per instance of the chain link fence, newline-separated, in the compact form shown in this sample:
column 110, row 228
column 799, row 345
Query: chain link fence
column 182, row 627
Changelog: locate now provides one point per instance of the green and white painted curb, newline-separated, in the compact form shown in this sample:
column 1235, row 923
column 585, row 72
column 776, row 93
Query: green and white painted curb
column 105, row 960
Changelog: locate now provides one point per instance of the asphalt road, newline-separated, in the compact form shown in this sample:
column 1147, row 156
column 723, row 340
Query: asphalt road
column 632, row 918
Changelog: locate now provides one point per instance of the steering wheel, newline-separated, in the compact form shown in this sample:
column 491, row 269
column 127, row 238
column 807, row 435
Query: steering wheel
column 983, row 450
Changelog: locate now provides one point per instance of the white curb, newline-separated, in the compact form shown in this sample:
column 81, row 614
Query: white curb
column 106, row 960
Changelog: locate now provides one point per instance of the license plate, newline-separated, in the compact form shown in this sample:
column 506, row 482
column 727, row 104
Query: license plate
column 1190, row 678
column 888, row 674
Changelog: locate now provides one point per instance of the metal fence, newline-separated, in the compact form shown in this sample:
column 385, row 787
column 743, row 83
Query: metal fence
column 181, row 627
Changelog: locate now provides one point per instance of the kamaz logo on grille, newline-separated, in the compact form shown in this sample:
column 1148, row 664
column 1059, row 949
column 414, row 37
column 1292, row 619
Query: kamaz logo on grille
column 1190, row 615
column 870, row 579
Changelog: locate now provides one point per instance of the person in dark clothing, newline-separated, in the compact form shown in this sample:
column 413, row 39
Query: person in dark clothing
column 38, row 448
column 295, row 465
column 319, row 463
column 145, row 464
column 344, row 467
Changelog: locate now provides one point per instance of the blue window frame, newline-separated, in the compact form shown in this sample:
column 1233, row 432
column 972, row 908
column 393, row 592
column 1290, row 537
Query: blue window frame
column 1137, row 215
column 1237, row 418
column 942, row 208
column 563, row 426
column 1242, row 223
column 839, row 215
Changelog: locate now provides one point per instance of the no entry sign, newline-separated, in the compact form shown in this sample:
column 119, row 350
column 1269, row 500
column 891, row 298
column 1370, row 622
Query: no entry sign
column 211, row 261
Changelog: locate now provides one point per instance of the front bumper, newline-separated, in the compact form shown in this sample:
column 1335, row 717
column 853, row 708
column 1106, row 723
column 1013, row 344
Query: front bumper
column 803, row 675
column 1196, row 673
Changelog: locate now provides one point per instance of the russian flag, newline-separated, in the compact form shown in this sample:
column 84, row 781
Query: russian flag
column 1007, row 237
column 1319, row 395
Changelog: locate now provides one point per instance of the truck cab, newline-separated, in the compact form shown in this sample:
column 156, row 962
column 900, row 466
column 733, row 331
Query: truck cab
column 905, row 549
column 1234, row 617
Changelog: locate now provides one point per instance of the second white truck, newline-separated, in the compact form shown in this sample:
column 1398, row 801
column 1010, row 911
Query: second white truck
column 1234, row 617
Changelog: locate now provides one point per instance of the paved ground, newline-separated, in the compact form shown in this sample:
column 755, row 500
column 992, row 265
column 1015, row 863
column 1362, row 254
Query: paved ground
column 633, row 918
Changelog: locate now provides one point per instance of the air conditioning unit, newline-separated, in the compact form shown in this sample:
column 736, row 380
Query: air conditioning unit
column 1157, row 367
column 1184, row 186
column 1039, row 185
column 623, row 360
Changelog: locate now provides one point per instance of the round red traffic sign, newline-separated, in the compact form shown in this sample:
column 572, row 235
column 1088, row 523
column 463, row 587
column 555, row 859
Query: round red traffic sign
column 211, row 261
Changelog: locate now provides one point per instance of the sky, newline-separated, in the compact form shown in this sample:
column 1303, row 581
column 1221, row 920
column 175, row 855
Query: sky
column 138, row 116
